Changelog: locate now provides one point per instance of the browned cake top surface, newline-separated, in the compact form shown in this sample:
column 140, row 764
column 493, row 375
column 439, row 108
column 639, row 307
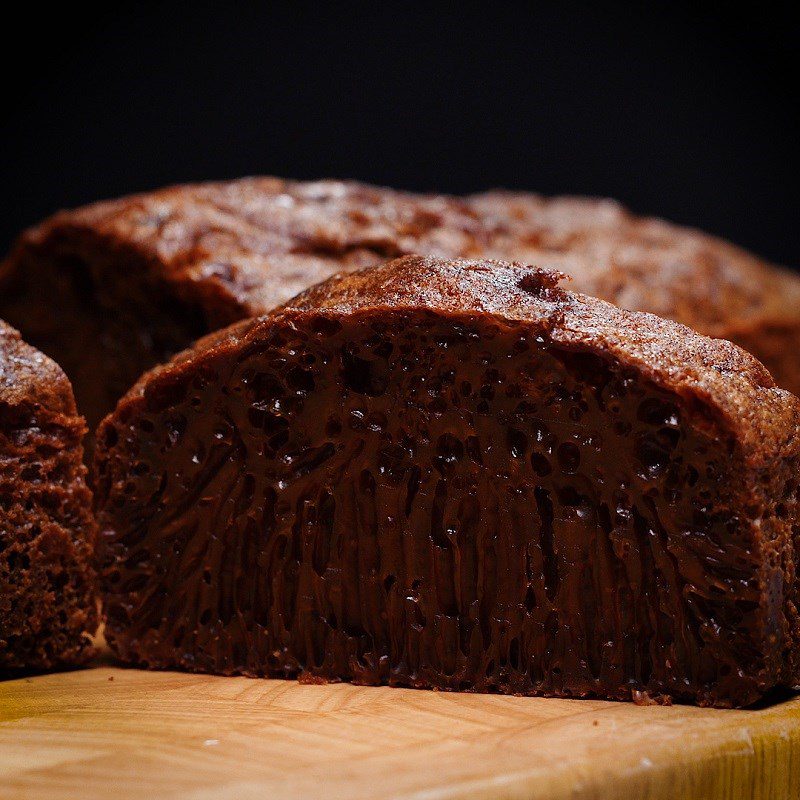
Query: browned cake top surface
column 253, row 243
column 26, row 375
column 766, row 419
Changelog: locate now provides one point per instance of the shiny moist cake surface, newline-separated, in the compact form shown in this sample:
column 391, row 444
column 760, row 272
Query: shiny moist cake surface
column 457, row 475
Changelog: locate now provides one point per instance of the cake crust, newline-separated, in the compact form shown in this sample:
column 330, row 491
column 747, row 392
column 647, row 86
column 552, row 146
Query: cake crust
column 145, row 275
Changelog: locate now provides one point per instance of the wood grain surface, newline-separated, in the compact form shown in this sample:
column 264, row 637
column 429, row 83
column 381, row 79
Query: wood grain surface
column 118, row 733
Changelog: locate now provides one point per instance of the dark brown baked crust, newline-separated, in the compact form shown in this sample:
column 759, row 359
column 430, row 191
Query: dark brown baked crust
column 48, row 593
column 112, row 289
column 458, row 475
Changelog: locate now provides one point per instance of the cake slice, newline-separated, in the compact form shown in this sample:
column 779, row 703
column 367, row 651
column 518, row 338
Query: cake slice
column 457, row 475
column 48, row 593
column 112, row 289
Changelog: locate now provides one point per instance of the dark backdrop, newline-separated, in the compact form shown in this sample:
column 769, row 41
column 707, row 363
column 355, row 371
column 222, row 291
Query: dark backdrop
column 677, row 112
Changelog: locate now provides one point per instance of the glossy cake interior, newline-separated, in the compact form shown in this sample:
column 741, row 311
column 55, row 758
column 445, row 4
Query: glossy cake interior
column 430, row 500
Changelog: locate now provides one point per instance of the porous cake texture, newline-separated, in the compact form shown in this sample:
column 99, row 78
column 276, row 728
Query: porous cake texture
column 458, row 475
column 48, row 593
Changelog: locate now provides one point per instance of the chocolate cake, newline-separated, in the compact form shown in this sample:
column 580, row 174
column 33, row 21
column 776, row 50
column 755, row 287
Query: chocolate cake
column 112, row 289
column 458, row 475
column 48, row 600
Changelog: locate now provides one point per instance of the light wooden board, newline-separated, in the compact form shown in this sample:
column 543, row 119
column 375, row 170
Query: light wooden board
column 108, row 732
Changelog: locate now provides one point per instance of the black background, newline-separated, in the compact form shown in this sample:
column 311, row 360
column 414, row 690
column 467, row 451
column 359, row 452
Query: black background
column 678, row 112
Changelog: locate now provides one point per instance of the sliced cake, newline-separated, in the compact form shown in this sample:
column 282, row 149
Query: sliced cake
column 458, row 475
column 48, row 598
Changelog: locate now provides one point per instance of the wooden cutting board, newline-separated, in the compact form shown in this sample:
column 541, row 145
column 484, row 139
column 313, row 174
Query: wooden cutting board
column 108, row 732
